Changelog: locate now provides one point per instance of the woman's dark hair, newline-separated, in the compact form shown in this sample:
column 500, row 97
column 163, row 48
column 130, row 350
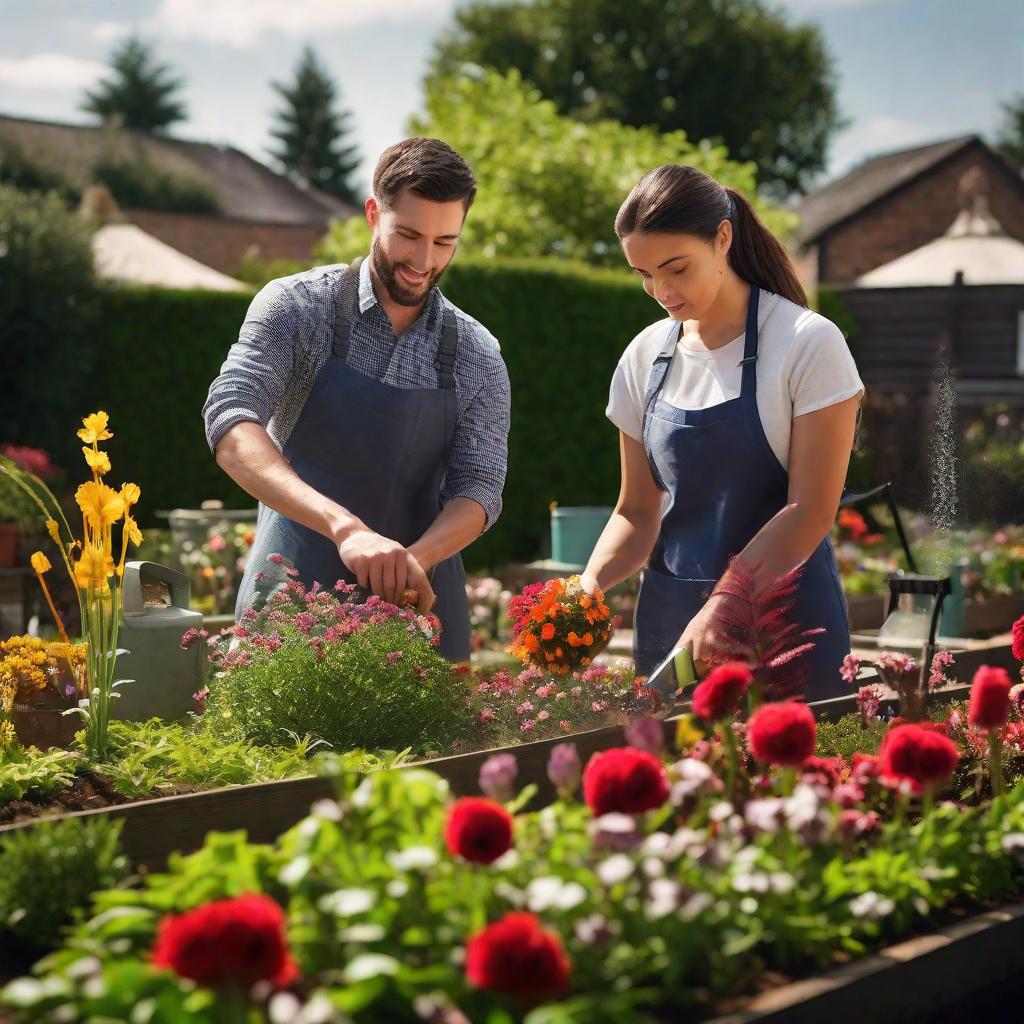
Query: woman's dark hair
column 677, row 199
column 430, row 168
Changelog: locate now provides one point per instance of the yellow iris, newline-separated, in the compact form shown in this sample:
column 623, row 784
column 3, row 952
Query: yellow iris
column 53, row 530
column 100, row 504
column 130, row 494
column 131, row 528
column 40, row 562
column 98, row 462
column 94, row 568
column 95, row 428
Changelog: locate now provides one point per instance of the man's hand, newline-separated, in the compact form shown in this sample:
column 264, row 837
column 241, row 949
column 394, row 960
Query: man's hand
column 384, row 567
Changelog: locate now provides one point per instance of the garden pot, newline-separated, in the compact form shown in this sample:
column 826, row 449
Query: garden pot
column 41, row 723
column 8, row 545
column 574, row 532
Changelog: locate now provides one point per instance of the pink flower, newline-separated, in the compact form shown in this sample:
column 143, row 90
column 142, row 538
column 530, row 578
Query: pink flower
column 486, row 715
column 527, row 725
column 217, row 543
column 542, row 715
column 599, row 706
column 564, row 726
column 942, row 661
column 851, row 666
column 276, row 558
column 393, row 656
column 869, row 700
column 577, row 691
column 524, row 708
column 304, row 622
column 200, row 697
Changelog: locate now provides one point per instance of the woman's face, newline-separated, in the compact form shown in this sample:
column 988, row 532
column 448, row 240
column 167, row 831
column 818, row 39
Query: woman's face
column 682, row 273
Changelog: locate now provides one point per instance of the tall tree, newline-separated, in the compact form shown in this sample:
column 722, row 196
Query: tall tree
column 1011, row 137
column 736, row 72
column 141, row 94
column 311, row 131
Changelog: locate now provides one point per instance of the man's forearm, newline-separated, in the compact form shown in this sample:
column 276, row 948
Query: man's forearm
column 460, row 522
column 248, row 455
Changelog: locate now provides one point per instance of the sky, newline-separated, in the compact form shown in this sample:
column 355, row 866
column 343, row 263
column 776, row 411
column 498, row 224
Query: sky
column 910, row 71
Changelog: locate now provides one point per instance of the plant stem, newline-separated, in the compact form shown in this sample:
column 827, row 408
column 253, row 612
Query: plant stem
column 995, row 761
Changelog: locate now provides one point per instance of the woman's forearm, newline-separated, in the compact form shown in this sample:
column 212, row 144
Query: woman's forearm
column 786, row 541
column 623, row 548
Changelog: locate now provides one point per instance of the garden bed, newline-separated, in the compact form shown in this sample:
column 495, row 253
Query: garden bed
column 981, row 618
column 155, row 827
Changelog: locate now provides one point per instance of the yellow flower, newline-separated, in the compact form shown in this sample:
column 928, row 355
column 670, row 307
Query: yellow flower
column 95, row 428
column 102, row 505
column 40, row 562
column 98, row 462
column 94, row 568
column 130, row 494
column 53, row 530
column 687, row 734
column 131, row 528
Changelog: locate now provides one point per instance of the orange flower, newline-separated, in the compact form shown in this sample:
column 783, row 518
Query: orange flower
column 586, row 601
column 530, row 642
column 603, row 609
column 547, row 631
column 588, row 639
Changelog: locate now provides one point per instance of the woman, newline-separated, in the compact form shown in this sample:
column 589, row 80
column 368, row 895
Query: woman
column 737, row 416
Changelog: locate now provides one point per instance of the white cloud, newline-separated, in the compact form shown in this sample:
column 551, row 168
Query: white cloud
column 242, row 23
column 111, row 31
column 55, row 72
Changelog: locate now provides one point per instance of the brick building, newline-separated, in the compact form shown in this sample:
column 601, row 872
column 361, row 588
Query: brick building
column 897, row 202
column 250, row 209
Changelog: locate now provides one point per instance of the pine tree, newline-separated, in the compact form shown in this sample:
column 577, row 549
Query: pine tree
column 141, row 94
column 311, row 131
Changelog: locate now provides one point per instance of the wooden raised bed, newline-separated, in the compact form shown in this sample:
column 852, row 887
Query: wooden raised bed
column 154, row 828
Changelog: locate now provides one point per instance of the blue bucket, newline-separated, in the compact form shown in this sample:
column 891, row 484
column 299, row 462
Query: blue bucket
column 574, row 532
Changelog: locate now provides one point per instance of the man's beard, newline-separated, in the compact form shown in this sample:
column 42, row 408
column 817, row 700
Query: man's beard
column 387, row 274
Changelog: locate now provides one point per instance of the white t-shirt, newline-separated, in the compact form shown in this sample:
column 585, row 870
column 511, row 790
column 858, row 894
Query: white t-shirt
column 804, row 364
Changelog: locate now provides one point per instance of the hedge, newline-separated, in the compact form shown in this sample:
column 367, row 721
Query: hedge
column 562, row 329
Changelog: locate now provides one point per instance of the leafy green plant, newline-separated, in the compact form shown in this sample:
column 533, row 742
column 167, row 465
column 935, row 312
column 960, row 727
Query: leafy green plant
column 35, row 773
column 51, row 869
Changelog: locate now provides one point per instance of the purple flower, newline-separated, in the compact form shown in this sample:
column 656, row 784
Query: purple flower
column 498, row 777
column 645, row 733
column 69, row 690
column 393, row 656
column 565, row 769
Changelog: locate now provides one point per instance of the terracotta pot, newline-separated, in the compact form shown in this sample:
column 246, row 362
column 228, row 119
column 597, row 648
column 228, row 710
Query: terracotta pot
column 8, row 545
column 39, row 723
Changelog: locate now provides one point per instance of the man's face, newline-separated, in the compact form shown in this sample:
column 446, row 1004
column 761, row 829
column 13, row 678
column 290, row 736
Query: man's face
column 413, row 243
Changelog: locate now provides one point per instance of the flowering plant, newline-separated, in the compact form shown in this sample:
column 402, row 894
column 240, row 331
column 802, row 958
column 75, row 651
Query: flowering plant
column 558, row 626
column 217, row 565
column 91, row 566
column 488, row 616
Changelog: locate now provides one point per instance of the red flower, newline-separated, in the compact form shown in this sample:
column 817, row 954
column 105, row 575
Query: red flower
column 990, row 698
column 235, row 941
column 782, row 733
column 922, row 757
column 478, row 830
column 626, row 780
column 1018, row 639
column 830, row 769
column 717, row 696
column 516, row 956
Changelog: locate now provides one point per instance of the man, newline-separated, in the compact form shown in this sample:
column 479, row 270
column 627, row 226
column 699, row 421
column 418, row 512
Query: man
column 367, row 414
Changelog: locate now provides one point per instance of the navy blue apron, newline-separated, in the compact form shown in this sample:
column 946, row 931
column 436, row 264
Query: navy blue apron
column 724, row 483
column 379, row 451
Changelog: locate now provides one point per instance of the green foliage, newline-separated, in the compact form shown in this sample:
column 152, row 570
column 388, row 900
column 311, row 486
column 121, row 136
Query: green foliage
column 349, row 694
column 146, row 756
column 50, row 871
column 311, row 133
column 48, row 310
column 35, row 773
column 135, row 180
column 991, row 461
column 141, row 93
column 739, row 72
column 557, row 190
column 24, row 170
column 1011, row 134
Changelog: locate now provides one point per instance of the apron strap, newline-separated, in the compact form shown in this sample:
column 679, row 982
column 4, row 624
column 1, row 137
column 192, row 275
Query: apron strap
column 447, row 351
column 659, row 372
column 344, row 309
column 748, row 385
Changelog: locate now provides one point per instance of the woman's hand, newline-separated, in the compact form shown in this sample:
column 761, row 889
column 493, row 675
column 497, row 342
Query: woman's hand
column 699, row 637
column 588, row 581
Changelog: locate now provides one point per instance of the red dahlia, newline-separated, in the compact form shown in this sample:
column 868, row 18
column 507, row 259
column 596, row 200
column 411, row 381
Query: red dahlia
column 718, row 695
column 990, row 698
column 626, row 780
column 1018, row 639
column 923, row 757
column 518, row 957
column 478, row 830
column 782, row 733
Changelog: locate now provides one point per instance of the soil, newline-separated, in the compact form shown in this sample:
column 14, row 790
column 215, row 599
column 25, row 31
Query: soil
column 89, row 791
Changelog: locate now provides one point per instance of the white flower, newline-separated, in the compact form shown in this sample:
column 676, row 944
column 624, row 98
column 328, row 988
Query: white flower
column 397, row 888
column 346, row 902
column 370, row 965
column 363, row 933
column 509, row 859
column 720, row 811
column 782, row 882
column 328, row 809
column 283, row 1008
column 695, row 906
column 653, row 867
column 663, row 898
column 1013, row 844
column 363, row 795
column 871, row 906
column 615, row 869
column 415, row 858
column 294, row 871
column 748, row 905
column 619, row 824
column 547, row 892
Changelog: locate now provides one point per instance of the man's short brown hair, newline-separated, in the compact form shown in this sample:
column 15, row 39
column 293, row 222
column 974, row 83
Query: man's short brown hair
column 429, row 168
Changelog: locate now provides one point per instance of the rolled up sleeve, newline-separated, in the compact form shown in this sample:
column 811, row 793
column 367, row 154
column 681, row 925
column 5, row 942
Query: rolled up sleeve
column 259, row 365
column 478, row 456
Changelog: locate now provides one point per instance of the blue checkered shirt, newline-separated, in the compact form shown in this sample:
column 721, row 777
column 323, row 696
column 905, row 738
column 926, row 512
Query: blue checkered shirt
column 287, row 337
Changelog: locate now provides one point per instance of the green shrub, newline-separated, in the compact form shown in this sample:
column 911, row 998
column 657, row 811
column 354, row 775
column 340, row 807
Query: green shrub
column 51, row 870
column 136, row 181
column 48, row 311
column 36, row 773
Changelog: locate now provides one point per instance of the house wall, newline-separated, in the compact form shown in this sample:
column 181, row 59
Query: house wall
column 915, row 215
